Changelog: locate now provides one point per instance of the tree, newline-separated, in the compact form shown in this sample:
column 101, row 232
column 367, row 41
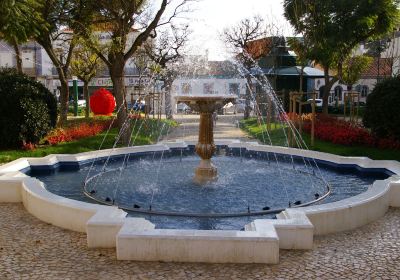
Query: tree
column 301, row 49
column 17, row 24
column 165, row 52
column 130, row 24
column 335, row 27
column 85, row 65
column 28, row 111
column 142, row 62
column 382, row 110
column 376, row 47
column 54, row 19
column 238, row 38
column 353, row 67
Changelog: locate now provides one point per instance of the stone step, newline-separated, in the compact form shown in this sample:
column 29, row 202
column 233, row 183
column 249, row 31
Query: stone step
column 209, row 246
column 250, row 227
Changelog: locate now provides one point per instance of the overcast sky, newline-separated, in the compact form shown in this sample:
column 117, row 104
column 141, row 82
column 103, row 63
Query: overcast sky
column 209, row 17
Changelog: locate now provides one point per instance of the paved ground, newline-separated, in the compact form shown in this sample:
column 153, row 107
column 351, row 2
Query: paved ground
column 31, row 249
column 226, row 128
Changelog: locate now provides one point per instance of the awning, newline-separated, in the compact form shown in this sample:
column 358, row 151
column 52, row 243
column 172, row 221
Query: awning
column 308, row 72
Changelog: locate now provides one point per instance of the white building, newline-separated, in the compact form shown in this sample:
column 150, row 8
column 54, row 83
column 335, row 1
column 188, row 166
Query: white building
column 208, row 77
column 36, row 63
column 387, row 65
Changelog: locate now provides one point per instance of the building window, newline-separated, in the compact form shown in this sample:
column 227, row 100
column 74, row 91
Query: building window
column 364, row 91
column 186, row 88
column 208, row 88
column 338, row 93
column 234, row 89
column 321, row 92
column 28, row 59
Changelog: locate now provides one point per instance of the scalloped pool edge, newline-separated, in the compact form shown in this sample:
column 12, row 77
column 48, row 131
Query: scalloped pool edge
column 137, row 238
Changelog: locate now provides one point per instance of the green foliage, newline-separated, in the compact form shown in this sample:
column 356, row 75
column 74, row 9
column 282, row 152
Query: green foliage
column 353, row 67
column 17, row 20
column 27, row 109
column 146, row 136
column 278, row 138
column 85, row 62
column 382, row 111
column 376, row 47
column 301, row 49
column 335, row 27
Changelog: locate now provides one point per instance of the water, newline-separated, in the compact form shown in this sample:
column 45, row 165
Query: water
column 242, row 183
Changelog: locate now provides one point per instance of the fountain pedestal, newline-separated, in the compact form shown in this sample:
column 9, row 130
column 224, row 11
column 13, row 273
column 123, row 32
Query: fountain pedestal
column 205, row 148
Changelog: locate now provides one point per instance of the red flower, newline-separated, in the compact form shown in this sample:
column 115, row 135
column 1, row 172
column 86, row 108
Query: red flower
column 77, row 132
column 28, row 146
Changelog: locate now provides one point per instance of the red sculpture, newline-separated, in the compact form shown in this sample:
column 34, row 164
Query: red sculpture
column 102, row 102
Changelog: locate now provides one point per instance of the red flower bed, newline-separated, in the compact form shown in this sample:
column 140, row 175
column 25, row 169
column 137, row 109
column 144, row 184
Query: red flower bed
column 135, row 116
column 28, row 146
column 389, row 143
column 345, row 133
column 77, row 132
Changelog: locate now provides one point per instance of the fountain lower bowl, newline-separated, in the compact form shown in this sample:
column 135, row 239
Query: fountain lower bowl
column 227, row 203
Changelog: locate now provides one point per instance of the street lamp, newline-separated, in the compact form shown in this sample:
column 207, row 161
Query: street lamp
column 75, row 88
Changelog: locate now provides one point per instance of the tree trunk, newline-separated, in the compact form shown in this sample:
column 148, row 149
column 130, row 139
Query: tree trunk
column 168, row 98
column 117, row 77
column 17, row 56
column 64, row 96
column 249, row 90
column 301, row 79
column 87, row 99
column 327, row 89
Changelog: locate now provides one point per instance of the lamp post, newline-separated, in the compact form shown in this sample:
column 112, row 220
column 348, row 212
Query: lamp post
column 75, row 88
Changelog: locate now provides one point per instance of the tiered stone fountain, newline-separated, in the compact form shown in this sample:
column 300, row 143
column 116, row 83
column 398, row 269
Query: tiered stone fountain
column 206, row 105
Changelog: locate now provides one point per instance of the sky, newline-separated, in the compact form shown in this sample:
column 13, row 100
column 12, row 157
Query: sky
column 209, row 17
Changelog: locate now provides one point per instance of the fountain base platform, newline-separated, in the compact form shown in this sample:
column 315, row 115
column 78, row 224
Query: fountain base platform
column 205, row 173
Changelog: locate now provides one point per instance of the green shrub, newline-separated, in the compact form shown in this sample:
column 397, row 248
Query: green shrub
column 71, row 110
column 27, row 109
column 382, row 110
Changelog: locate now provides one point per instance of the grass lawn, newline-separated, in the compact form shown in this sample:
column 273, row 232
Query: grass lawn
column 278, row 138
column 149, row 133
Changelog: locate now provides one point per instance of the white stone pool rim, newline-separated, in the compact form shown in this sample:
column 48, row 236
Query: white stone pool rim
column 137, row 239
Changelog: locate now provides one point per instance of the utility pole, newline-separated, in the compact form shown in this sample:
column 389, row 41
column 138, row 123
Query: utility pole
column 75, row 88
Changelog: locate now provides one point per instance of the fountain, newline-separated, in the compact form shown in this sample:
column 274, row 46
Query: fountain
column 206, row 105
column 225, row 220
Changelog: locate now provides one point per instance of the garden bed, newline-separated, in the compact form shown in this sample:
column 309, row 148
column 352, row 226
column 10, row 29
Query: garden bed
column 84, row 141
column 278, row 138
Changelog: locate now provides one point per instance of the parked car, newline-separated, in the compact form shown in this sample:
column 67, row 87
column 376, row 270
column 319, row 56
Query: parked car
column 240, row 106
column 81, row 103
column 228, row 108
column 138, row 106
column 183, row 108
column 318, row 102
column 361, row 103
